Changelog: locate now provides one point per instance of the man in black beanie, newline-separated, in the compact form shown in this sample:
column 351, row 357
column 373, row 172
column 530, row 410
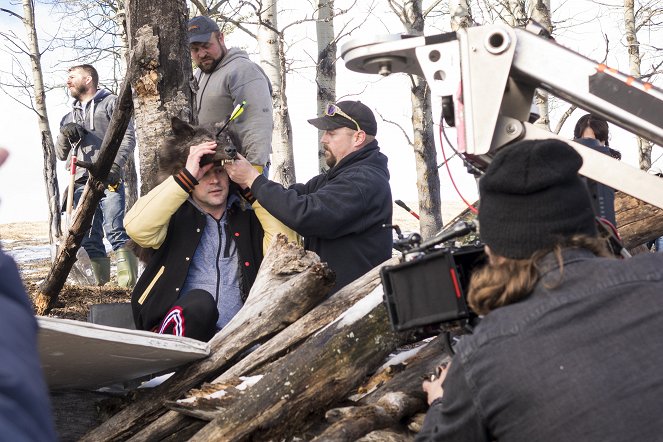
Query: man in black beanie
column 569, row 345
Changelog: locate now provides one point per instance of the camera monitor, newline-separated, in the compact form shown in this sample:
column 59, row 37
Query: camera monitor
column 431, row 289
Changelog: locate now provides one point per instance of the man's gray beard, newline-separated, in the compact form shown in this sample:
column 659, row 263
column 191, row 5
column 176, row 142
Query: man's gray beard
column 211, row 68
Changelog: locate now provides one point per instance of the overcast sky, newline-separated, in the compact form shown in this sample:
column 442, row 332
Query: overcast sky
column 22, row 189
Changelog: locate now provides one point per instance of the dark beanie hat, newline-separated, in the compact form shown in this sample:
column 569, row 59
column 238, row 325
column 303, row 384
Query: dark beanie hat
column 531, row 197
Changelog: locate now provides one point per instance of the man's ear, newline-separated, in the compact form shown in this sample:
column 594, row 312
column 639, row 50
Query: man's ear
column 181, row 128
column 360, row 137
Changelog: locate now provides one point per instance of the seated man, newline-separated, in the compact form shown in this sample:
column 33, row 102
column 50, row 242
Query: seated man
column 207, row 250
column 569, row 348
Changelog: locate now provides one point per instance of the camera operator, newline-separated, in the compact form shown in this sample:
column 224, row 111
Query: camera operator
column 569, row 347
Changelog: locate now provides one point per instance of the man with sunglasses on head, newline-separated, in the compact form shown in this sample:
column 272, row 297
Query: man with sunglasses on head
column 340, row 213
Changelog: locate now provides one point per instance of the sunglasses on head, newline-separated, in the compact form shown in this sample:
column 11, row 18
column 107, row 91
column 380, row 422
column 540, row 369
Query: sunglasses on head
column 332, row 110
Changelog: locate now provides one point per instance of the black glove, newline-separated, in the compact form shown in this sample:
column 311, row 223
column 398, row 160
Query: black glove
column 114, row 175
column 73, row 131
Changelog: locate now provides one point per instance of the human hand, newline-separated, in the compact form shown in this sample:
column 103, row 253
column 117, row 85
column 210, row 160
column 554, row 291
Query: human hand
column 4, row 153
column 196, row 153
column 241, row 171
column 73, row 132
column 114, row 175
column 433, row 386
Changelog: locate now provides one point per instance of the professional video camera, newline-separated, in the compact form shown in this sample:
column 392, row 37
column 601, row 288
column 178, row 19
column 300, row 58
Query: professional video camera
column 427, row 290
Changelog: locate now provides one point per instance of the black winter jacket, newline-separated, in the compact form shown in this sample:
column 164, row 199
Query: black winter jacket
column 159, row 286
column 340, row 213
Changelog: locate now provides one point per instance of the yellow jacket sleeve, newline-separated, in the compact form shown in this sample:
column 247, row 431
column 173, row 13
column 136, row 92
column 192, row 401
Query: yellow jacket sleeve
column 147, row 221
column 272, row 227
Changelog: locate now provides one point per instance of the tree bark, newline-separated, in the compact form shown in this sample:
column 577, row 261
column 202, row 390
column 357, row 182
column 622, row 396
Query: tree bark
column 630, row 29
column 161, row 79
column 289, row 283
column 355, row 422
column 459, row 14
column 48, row 149
column 540, row 12
column 92, row 194
column 428, row 179
column 272, row 52
column 638, row 222
column 325, row 72
column 311, row 378
column 391, row 396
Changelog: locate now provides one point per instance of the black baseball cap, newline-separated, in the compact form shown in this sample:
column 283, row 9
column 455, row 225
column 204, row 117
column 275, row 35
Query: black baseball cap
column 359, row 115
column 200, row 29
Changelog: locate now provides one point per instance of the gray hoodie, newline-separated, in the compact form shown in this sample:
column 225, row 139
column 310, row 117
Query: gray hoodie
column 94, row 116
column 234, row 80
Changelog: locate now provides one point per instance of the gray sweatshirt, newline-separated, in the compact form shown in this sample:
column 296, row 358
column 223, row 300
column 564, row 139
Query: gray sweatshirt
column 234, row 80
column 94, row 116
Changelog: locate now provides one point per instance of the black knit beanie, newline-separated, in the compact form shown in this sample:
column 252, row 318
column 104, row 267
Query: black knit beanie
column 531, row 197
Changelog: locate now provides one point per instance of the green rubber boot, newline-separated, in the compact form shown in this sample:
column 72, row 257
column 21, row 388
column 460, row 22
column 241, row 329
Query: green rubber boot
column 101, row 269
column 127, row 268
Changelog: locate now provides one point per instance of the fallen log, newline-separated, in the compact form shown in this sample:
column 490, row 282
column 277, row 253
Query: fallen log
column 390, row 397
column 308, row 380
column 386, row 436
column 276, row 347
column 638, row 222
column 289, row 283
column 355, row 422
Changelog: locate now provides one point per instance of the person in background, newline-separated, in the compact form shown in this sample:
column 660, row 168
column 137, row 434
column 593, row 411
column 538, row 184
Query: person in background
column 344, row 213
column 593, row 132
column 25, row 410
column 226, row 77
column 84, row 128
column 569, row 347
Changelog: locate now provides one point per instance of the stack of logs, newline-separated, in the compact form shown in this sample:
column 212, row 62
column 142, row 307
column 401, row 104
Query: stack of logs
column 279, row 368
column 295, row 364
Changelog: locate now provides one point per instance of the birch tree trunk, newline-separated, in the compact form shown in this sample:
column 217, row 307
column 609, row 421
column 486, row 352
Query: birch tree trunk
column 515, row 15
column 428, row 180
column 541, row 13
column 161, row 81
column 50, row 175
column 460, row 15
column 630, row 29
column 129, row 172
column 272, row 53
column 325, row 73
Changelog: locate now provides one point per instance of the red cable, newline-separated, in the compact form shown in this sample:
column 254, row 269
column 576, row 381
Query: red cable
column 446, row 163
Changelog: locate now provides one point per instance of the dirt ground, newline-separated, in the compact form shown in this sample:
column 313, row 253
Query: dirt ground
column 73, row 301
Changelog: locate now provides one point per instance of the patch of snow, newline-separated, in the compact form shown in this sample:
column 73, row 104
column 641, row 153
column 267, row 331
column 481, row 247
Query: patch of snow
column 29, row 253
column 362, row 308
column 248, row 381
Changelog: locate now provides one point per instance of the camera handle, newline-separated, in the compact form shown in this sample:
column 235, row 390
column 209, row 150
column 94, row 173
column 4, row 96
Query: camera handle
column 459, row 229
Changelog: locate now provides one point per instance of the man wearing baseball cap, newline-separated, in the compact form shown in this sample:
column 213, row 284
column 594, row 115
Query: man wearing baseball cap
column 226, row 77
column 341, row 213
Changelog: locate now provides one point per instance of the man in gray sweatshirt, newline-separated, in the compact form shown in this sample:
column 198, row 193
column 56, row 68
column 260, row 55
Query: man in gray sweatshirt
column 84, row 129
column 226, row 78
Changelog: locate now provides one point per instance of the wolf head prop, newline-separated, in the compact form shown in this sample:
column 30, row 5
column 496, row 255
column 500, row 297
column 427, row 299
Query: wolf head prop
column 175, row 150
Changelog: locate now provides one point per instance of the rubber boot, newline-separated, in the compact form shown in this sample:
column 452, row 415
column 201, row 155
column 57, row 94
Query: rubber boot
column 127, row 268
column 101, row 269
